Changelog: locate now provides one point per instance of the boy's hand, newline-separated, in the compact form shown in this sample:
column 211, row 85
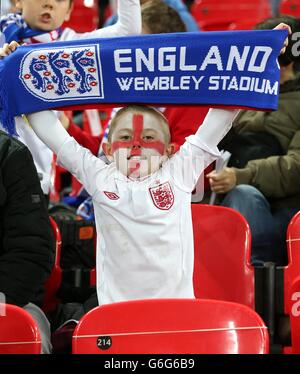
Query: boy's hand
column 284, row 26
column 222, row 182
column 7, row 49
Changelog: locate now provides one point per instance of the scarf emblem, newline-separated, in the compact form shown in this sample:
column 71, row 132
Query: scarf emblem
column 63, row 73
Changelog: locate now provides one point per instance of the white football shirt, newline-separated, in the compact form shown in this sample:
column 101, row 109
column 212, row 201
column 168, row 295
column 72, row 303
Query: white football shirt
column 144, row 228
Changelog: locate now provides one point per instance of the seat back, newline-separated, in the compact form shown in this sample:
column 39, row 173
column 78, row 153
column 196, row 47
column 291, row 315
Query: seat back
column 19, row 333
column 218, row 15
column 84, row 17
column 171, row 326
column 292, row 281
column 291, row 7
column 247, row 24
column 54, row 281
column 222, row 242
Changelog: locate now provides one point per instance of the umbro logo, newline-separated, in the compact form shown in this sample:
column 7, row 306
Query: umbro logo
column 111, row 195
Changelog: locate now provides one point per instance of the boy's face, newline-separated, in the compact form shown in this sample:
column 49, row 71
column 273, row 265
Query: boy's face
column 138, row 144
column 45, row 15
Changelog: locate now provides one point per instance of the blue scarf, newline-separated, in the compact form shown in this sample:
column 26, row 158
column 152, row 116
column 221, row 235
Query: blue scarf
column 235, row 69
column 13, row 27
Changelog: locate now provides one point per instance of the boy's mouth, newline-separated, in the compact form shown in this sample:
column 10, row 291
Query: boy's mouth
column 137, row 158
column 45, row 17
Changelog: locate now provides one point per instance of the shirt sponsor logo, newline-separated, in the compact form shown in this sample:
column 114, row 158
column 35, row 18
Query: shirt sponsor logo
column 111, row 195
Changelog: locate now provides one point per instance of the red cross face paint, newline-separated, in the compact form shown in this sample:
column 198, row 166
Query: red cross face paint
column 138, row 138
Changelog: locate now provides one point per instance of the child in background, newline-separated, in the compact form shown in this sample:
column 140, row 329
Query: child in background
column 40, row 21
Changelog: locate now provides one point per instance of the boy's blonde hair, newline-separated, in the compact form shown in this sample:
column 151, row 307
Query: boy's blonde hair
column 140, row 109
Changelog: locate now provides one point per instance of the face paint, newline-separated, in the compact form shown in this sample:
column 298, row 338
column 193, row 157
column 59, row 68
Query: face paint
column 139, row 148
column 137, row 143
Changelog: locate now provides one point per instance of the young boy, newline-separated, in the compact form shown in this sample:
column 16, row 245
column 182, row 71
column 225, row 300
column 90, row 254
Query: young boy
column 40, row 21
column 141, row 200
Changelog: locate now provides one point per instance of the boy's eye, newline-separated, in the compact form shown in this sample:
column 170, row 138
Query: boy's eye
column 148, row 137
column 125, row 138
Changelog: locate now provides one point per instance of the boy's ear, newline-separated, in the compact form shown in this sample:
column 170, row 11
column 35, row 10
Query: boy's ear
column 68, row 15
column 107, row 149
column 172, row 148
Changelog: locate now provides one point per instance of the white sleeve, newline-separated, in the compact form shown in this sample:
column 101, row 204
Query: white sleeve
column 42, row 155
column 200, row 150
column 215, row 126
column 78, row 160
column 87, row 168
column 49, row 129
column 129, row 23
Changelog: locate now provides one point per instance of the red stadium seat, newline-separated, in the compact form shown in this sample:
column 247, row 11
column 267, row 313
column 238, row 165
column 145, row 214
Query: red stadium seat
column 292, row 282
column 19, row 333
column 171, row 326
column 291, row 7
column 54, row 281
column 218, row 15
column 84, row 17
column 222, row 242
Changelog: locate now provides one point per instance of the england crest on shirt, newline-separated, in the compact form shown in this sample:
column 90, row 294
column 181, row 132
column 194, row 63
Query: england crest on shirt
column 162, row 196
column 63, row 73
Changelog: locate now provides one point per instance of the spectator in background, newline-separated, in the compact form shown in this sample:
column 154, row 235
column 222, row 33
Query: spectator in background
column 26, row 244
column 178, row 5
column 263, row 182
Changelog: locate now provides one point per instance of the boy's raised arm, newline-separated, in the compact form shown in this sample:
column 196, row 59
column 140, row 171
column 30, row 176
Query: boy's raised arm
column 76, row 159
column 49, row 129
column 129, row 17
column 129, row 23
column 216, row 125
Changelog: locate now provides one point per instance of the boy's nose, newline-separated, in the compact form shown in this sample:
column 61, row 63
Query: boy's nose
column 48, row 4
column 136, row 150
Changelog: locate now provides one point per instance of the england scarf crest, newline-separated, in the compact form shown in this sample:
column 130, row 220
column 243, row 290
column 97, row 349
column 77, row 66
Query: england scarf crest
column 236, row 69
